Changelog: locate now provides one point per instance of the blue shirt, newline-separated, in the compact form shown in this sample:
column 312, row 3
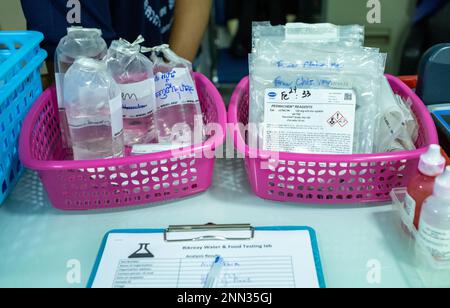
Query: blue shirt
column 426, row 8
column 116, row 18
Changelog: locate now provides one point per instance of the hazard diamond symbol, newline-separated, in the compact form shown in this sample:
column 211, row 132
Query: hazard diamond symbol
column 338, row 118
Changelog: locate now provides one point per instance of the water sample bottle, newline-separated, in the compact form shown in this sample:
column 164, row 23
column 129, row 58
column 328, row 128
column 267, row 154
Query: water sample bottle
column 133, row 72
column 93, row 104
column 431, row 165
column 79, row 42
column 434, row 227
column 179, row 114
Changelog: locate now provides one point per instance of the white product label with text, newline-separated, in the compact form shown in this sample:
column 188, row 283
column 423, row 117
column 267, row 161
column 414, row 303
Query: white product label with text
column 141, row 149
column 59, row 81
column 115, row 105
column 319, row 121
column 436, row 240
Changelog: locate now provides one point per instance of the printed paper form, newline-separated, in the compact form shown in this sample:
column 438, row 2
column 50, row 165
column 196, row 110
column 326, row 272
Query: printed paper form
column 272, row 260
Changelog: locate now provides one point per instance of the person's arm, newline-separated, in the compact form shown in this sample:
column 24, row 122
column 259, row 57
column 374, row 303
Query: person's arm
column 190, row 22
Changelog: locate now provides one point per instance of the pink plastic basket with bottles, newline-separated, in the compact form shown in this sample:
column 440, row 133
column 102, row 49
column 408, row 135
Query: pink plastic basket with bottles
column 122, row 182
column 329, row 179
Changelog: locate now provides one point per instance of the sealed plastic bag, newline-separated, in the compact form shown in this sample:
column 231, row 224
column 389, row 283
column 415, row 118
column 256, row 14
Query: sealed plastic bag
column 179, row 114
column 133, row 72
column 314, row 98
column 79, row 42
column 93, row 105
column 398, row 129
column 301, row 34
column 341, row 94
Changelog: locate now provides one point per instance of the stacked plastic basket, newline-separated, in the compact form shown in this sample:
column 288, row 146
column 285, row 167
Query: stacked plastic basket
column 20, row 86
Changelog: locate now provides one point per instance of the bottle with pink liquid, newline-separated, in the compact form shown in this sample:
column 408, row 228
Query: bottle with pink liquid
column 420, row 187
column 434, row 226
column 133, row 72
column 179, row 115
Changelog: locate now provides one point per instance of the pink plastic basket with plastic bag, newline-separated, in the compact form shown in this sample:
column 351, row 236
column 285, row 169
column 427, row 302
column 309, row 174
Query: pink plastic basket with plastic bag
column 329, row 179
column 122, row 182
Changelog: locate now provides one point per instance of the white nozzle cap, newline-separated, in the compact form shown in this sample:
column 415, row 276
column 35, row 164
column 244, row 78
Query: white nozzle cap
column 432, row 163
column 442, row 185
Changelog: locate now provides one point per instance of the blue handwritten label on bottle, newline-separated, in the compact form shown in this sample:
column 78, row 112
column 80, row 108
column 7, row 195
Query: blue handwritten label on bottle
column 138, row 99
column 175, row 87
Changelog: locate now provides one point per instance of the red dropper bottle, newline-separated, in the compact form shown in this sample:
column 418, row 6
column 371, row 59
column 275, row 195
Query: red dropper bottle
column 421, row 186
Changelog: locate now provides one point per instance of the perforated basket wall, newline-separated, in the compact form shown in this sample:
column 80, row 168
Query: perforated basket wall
column 20, row 86
column 324, row 178
column 111, row 183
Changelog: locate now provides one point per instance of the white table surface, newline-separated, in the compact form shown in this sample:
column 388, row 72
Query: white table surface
column 37, row 242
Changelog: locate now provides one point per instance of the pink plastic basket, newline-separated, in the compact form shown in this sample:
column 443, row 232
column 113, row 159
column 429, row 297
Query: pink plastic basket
column 325, row 179
column 112, row 183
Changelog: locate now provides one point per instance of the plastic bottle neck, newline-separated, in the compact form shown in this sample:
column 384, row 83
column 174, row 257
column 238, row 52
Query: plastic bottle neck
column 432, row 163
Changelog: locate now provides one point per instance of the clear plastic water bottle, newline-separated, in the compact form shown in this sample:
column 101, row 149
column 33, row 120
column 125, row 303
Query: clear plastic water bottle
column 133, row 72
column 179, row 114
column 434, row 227
column 93, row 105
column 79, row 42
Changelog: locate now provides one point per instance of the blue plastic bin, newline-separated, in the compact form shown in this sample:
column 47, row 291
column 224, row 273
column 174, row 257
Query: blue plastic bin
column 20, row 85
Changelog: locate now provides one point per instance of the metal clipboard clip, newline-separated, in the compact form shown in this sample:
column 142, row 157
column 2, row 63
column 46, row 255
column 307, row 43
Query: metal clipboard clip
column 209, row 228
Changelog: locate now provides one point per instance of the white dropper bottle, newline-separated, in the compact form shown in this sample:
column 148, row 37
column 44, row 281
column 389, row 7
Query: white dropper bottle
column 434, row 227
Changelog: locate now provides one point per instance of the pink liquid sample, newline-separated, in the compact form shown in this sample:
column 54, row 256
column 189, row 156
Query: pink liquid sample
column 420, row 188
column 139, row 131
column 91, row 134
column 177, row 123
column 95, row 142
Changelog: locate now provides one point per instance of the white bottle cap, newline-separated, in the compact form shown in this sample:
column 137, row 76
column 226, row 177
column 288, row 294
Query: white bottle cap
column 432, row 163
column 442, row 185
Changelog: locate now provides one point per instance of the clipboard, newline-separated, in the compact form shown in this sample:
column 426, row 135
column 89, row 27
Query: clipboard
column 228, row 234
